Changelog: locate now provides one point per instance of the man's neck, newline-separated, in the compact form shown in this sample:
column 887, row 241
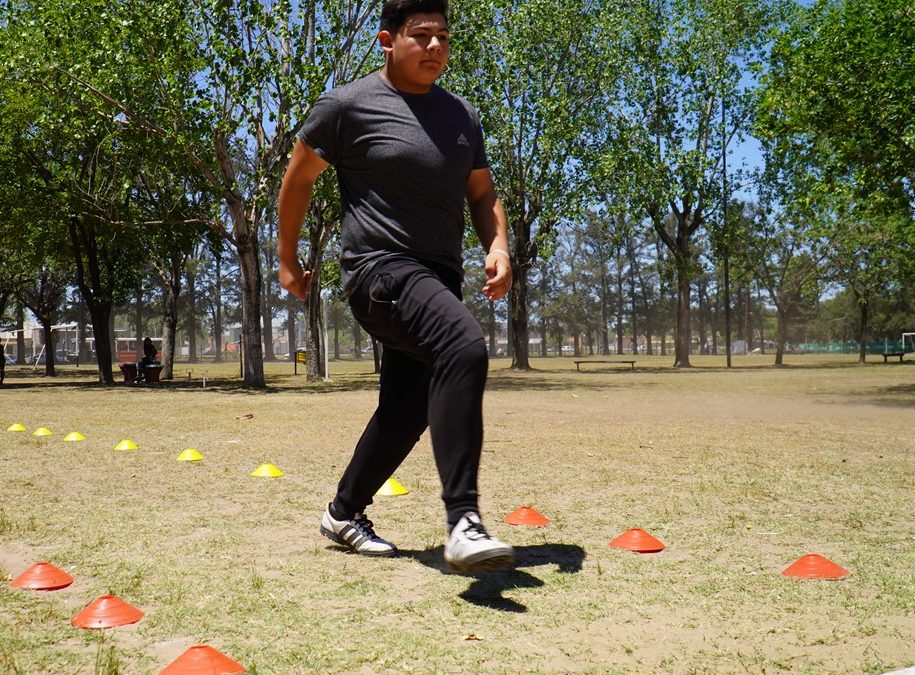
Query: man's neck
column 389, row 75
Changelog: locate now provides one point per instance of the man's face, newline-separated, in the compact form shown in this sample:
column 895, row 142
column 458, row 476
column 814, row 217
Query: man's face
column 418, row 52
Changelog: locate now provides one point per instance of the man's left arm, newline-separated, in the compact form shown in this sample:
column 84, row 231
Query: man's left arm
column 491, row 225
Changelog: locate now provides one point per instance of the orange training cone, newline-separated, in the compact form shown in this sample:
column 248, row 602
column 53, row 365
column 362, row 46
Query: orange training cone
column 527, row 515
column 637, row 540
column 106, row 611
column 202, row 660
column 814, row 566
column 43, row 576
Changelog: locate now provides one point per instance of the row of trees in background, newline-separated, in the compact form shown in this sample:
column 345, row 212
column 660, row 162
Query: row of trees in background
column 142, row 145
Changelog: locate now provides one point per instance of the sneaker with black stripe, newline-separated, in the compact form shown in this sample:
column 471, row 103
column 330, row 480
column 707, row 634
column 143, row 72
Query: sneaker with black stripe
column 356, row 534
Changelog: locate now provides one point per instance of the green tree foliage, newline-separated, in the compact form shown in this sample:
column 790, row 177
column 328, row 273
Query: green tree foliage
column 842, row 77
column 683, row 57
column 216, row 87
column 837, row 120
column 534, row 68
column 87, row 159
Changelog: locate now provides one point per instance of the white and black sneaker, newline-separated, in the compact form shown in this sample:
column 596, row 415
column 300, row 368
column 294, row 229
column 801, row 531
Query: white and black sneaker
column 356, row 534
column 470, row 548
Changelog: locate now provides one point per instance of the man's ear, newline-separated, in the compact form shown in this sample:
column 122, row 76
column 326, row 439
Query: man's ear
column 386, row 40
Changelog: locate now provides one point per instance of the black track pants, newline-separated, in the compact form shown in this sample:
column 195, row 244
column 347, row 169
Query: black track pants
column 433, row 374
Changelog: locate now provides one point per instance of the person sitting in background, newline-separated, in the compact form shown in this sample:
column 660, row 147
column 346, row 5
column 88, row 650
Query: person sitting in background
column 149, row 358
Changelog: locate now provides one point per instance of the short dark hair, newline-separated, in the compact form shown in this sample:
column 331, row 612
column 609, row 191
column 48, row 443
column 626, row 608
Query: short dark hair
column 395, row 12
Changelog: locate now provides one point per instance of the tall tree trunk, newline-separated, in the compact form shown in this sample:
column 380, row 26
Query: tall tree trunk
column 48, row 332
column 357, row 340
column 509, row 331
column 781, row 335
column 217, row 314
column 683, row 337
column 112, row 333
column 703, row 314
column 376, row 353
column 740, row 334
column 493, row 347
column 630, row 254
column 679, row 244
column 748, row 319
column 336, row 316
column 267, row 290
column 291, row 306
column 620, row 304
column 252, row 354
column 604, row 308
column 716, row 315
column 517, row 302
column 138, row 309
column 320, row 227
column 96, row 294
column 170, row 274
column 544, row 321
column 172, row 289
column 863, row 328
column 82, row 354
column 267, row 309
column 42, row 297
column 314, row 327
column 100, row 315
column 191, row 320
column 20, row 333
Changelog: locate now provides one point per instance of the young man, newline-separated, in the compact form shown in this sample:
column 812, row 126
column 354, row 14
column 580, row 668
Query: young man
column 408, row 154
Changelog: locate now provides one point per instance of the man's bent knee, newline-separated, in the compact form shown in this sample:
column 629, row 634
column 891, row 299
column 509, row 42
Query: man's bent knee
column 473, row 357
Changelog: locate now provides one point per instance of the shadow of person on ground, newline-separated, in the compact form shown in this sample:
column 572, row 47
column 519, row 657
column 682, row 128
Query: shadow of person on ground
column 486, row 589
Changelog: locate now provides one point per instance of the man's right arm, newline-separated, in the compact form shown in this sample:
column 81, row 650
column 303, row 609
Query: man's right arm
column 305, row 166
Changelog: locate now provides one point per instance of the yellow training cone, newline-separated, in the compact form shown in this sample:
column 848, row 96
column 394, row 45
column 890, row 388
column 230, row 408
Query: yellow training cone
column 190, row 455
column 75, row 436
column 392, row 488
column 41, row 431
column 15, row 427
column 126, row 444
column 267, row 471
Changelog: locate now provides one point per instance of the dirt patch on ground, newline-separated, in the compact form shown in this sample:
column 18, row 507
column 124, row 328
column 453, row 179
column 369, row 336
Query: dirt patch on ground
column 738, row 473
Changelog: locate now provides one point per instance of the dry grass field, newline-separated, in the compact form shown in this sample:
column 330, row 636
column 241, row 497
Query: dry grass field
column 738, row 472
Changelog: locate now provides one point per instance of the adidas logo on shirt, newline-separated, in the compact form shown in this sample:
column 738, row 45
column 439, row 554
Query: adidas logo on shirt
column 462, row 140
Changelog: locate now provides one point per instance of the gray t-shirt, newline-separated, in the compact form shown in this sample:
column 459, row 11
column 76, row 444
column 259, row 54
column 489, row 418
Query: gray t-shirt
column 402, row 162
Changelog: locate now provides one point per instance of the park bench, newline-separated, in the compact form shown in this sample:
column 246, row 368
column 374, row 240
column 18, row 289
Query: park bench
column 887, row 355
column 150, row 372
column 622, row 361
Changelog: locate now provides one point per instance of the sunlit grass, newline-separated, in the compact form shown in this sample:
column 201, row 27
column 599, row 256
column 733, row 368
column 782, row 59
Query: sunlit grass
column 738, row 472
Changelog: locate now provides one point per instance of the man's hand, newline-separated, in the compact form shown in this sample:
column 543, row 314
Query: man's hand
column 293, row 279
column 499, row 270
column 488, row 217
